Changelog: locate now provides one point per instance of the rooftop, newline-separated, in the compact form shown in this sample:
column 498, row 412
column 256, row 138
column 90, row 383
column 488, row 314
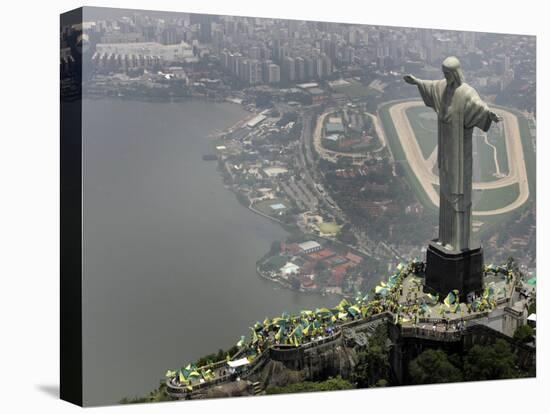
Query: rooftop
column 309, row 245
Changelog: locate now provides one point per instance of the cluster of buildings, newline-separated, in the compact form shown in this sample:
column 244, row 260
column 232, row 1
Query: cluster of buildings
column 348, row 130
column 257, row 157
column 311, row 266
column 109, row 57
column 312, row 63
column 281, row 52
column 263, row 69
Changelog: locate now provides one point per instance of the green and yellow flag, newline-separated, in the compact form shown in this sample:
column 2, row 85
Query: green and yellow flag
column 240, row 344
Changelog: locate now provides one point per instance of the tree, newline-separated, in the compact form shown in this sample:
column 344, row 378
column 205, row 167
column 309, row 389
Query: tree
column 532, row 306
column 320, row 267
column 263, row 99
column 373, row 365
column 524, row 333
column 433, row 366
column 309, row 386
column 347, row 237
column 361, row 373
column 490, row 362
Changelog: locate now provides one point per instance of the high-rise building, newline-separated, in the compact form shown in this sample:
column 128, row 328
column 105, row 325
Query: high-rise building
column 205, row 26
column 326, row 65
column 224, row 59
column 293, row 28
column 276, row 49
column 274, row 73
column 254, row 72
column 309, row 62
column 300, row 68
column 240, row 67
column 468, row 40
column 348, row 55
column 319, row 67
column 351, row 36
column 254, row 52
column 169, row 36
column 288, row 69
column 333, row 49
column 325, row 46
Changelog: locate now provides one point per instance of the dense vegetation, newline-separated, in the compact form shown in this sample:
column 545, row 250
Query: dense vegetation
column 373, row 367
column 330, row 384
column 481, row 362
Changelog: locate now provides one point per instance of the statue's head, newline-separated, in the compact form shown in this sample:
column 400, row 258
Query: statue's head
column 452, row 71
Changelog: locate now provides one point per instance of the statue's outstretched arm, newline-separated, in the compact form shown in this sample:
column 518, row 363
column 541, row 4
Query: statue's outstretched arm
column 412, row 80
column 494, row 116
column 427, row 88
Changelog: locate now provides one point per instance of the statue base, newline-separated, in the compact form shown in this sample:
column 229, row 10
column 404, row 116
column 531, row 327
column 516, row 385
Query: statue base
column 447, row 270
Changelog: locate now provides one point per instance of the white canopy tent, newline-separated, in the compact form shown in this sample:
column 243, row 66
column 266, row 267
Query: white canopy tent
column 238, row 363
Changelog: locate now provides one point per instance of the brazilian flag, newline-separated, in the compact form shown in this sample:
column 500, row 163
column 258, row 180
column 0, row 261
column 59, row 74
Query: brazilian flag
column 297, row 333
column 240, row 344
column 280, row 335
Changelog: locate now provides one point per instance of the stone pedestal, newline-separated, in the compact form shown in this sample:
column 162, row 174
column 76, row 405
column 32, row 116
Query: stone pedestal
column 447, row 270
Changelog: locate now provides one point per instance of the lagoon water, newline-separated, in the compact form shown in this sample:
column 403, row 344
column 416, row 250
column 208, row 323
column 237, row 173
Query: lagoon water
column 169, row 253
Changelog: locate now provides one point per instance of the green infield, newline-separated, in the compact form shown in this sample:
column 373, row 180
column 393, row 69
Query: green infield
column 496, row 137
column 484, row 157
column 423, row 121
column 497, row 197
column 528, row 150
column 400, row 159
column 329, row 228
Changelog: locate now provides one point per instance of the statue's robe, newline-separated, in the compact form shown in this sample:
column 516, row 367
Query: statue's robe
column 459, row 109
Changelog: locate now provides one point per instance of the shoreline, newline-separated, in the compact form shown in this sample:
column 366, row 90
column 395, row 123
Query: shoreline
column 285, row 227
column 244, row 200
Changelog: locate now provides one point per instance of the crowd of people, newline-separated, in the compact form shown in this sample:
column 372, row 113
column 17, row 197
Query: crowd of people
column 408, row 304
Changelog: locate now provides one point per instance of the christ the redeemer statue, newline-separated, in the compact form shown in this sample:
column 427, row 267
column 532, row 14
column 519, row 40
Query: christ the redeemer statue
column 459, row 109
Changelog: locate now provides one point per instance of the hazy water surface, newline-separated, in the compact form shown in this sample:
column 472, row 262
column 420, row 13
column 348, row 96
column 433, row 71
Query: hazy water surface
column 169, row 253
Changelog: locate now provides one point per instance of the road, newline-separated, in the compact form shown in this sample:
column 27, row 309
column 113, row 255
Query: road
column 311, row 177
column 309, row 172
column 381, row 135
column 423, row 168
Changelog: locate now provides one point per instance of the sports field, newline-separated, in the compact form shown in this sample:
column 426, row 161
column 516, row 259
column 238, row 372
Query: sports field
column 329, row 228
column 272, row 207
column 503, row 176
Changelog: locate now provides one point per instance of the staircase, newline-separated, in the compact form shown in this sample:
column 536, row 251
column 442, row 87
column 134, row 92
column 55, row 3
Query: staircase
column 258, row 389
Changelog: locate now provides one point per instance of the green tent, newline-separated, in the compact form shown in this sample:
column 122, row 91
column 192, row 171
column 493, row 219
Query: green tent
column 280, row 334
column 297, row 332
column 354, row 310
column 240, row 344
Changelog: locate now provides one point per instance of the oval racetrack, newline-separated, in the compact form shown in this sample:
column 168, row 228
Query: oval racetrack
column 422, row 168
